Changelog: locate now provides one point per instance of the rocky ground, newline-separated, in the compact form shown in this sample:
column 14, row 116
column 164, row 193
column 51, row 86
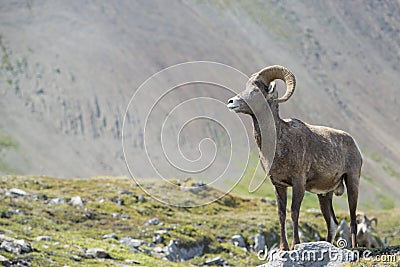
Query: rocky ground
column 109, row 221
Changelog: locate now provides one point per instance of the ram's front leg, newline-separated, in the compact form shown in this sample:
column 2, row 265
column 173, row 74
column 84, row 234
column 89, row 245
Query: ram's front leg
column 281, row 197
column 297, row 198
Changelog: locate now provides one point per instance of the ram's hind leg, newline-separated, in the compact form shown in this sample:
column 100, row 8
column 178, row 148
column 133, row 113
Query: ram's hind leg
column 325, row 202
column 352, row 182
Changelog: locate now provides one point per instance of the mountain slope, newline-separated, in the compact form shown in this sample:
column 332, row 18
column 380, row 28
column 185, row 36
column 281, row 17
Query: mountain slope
column 70, row 68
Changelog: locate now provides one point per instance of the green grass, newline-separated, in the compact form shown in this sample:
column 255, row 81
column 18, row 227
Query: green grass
column 75, row 229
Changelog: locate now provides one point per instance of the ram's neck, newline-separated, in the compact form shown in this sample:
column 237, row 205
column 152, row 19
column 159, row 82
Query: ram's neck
column 262, row 125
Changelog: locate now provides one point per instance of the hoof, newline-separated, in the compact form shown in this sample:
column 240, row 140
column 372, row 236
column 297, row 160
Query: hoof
column 283, row 247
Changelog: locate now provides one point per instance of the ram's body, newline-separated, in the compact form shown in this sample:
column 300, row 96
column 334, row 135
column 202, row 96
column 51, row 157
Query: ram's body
column 320, row 154
column 308, row 158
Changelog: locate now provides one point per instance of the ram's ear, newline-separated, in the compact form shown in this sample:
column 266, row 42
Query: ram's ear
column 271, row 87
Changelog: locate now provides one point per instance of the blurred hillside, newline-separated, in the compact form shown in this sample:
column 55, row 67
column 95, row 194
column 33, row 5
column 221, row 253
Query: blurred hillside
column 69, row 68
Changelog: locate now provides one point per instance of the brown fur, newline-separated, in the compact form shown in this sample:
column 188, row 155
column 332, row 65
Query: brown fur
column 308, row 158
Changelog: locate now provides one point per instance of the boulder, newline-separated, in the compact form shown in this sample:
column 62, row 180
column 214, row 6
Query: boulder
column 21, row 262
column 217, row 261
column 259, row 242
column 14, row 246
column 153, row 221
column 132, row 242
column 312, row 254
column 141, row 198
column 44, row 238
column 97, row 253
column 158, row 239
column 174, row 252
column 4, row 261
column 120, row 201
column 238, row 241
column 18, row 192
column 76, row 201
column 110, row 236
column 57, row 200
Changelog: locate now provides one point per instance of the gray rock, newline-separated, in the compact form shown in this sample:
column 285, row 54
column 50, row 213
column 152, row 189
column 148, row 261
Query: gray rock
column 108, row 236
column 131, row 242
column 44, row 238
column 238, row 241
column 6, row 214
column 57, row 200
column 76, row 201
column 312, row 254
column 90, row 215
column 120, row 201
column 158, row 250
column 125, row 216
column 4, row 261
column 17, row 211
column 158, row 239
column 18, row 192
column 162, row 232
column 15, row 246
column 17, row 262
column 132, row 261
column 317, row 237
column 259, row 242
column 217, row 261
column 125, row 192
column 76, row 258
column 172, row 252
column 153, row 221
column 41, row 197
column 176, row 253
column 97, row 253
column 141, row 198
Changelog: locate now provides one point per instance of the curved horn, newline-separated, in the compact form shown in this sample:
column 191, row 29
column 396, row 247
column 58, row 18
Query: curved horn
column 374, row 219
column 278, row 72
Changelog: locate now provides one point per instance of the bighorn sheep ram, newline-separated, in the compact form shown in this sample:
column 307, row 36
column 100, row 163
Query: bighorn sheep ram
column 364, row 232
column 309, row 158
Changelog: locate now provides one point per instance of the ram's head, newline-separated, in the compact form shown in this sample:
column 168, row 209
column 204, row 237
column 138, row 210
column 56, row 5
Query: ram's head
column 261, row 88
